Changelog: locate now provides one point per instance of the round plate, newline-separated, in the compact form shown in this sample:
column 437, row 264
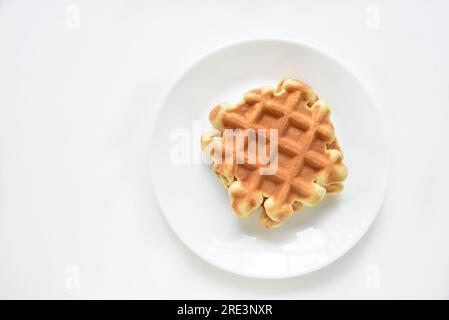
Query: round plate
column 195, row 203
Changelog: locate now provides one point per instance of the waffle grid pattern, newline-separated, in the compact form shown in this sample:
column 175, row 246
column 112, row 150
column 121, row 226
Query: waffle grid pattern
column 305, row 135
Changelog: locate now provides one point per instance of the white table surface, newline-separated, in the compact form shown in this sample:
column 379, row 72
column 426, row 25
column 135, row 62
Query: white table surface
column 79, row 85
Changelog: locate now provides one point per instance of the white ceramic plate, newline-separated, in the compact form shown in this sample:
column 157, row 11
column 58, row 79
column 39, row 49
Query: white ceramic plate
column 195, row 203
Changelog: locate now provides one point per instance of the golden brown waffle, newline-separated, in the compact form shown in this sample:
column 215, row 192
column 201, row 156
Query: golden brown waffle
column 309, row 157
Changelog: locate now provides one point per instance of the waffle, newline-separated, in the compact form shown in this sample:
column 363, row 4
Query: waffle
column 309, row 158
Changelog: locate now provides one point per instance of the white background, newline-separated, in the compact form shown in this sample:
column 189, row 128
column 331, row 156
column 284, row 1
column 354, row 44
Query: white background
column 80, row 82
